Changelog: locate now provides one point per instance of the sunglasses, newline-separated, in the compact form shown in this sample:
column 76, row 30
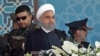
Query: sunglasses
column 19, row 18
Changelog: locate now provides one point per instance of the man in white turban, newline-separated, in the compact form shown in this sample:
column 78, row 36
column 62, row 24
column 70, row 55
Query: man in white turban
column 47, row 35
column 45, row 15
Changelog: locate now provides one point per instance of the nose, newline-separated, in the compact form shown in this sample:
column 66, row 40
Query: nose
column 20, row 20
column 51, row 18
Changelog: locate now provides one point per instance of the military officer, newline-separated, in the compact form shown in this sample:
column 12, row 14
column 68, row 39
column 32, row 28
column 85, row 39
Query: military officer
column 78, row 31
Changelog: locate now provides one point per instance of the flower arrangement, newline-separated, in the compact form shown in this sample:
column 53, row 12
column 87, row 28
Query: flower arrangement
column 73, row 50
column 70, row 49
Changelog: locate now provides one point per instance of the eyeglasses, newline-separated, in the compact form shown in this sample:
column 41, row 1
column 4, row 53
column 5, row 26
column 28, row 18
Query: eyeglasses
column 19, row 18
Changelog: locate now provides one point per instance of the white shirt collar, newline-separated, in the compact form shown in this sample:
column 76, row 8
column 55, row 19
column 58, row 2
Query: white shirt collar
column 47, row 31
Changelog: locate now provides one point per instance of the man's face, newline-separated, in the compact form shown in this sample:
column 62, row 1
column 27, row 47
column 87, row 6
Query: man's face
column 47, row 20
column 81, row 35
column 23, row 19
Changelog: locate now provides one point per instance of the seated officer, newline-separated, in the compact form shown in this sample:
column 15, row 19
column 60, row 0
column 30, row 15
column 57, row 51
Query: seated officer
column 78, row 31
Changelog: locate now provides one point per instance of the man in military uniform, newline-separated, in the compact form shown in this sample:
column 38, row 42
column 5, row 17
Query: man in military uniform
column 78, row 31
column 3, row 43
column 24, row 19
column 17, row 37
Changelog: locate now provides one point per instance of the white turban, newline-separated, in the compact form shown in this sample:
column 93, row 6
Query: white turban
column 44, row 8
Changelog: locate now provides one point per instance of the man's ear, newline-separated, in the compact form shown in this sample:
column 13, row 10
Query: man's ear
column 30, row 16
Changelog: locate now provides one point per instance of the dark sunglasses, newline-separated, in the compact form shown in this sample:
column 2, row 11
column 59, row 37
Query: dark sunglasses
column 19, row 18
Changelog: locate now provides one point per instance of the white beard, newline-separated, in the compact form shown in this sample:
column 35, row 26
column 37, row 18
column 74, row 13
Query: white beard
column 49, row 27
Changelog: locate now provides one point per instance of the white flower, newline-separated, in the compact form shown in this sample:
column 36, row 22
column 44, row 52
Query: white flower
column 97, row 44
column 83, row 50
column 98, row 54
column 58, row 51
column 69, row 46
column 74, row 54
column 92, row 52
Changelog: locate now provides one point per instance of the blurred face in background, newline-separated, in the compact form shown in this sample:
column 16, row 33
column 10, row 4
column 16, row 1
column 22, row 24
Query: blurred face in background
column 80, row 35
column 83, row 34
column 23, row 19
column 47, row 20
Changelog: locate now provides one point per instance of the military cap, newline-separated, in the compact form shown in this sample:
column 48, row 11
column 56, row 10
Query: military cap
column 80, row 24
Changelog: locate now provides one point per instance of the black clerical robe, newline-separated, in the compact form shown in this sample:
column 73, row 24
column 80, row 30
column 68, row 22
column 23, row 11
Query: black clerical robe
column 39, row 40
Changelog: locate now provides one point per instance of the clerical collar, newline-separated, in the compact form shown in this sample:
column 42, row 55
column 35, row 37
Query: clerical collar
column 47, row 31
